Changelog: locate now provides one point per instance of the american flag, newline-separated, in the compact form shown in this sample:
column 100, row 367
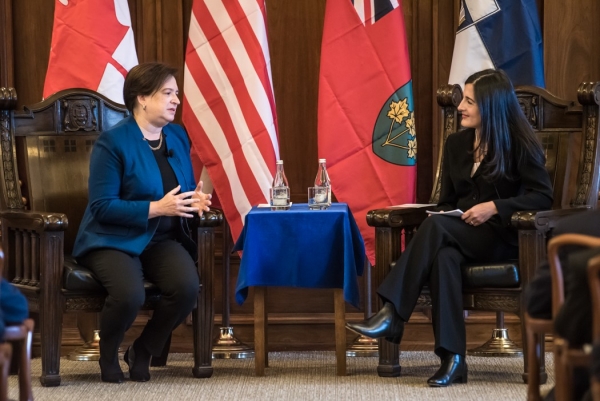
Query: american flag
column 228, row 106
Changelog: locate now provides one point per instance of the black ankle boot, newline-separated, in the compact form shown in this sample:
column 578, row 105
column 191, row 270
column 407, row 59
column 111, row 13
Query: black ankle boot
column 453, row 370
column 138, row 360
column 385, row 323
column 111, row 372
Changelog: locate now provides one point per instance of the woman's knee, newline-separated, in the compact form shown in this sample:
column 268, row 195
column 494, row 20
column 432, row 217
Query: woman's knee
column 129, row 301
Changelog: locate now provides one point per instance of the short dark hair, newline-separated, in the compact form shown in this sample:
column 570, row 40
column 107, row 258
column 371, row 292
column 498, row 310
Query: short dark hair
column 144, row 80
column 505, row 134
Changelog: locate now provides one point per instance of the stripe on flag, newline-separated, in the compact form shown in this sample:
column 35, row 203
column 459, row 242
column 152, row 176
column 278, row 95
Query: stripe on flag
column 501, row 34
column 229, row 107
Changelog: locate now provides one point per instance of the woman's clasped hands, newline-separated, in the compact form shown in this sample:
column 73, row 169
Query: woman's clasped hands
column 181, row 204
column 479, row 213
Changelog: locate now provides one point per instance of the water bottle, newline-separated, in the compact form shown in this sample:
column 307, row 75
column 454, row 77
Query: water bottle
column 322, row 186
column 280, row 190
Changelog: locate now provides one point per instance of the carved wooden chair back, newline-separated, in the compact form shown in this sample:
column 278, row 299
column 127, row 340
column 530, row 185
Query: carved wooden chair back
column 568, row 133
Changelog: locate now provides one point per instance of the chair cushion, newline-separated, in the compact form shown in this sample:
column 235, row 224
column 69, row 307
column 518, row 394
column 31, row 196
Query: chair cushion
column 81, row 279
column 477, row 275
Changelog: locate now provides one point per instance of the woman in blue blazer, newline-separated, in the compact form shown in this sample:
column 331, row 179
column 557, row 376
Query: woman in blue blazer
column 141, row 190
column 490, row 170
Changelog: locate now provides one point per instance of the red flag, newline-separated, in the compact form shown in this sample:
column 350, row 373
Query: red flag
column 92, row 47
column 366, row 120
column 228, row 105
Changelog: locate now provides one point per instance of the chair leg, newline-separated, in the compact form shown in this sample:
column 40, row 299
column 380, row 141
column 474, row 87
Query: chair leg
column 533, row 364
column 162, row 359
column 5, row 358
column 203, row 314
column 51, row 317
column 25, row 392
column 561, row 371
column 540, row 350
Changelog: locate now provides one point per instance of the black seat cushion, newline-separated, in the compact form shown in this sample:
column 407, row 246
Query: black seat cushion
column 79, row 278
column 477, row 275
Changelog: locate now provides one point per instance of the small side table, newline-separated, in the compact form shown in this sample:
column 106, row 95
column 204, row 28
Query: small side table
column 300, row 248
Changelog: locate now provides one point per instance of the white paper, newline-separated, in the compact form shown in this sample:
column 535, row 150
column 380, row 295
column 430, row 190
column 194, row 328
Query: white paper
column 455, row 212
column 415, row 205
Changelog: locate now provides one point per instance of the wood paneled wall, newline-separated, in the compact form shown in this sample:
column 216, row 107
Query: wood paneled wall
column 572, row 54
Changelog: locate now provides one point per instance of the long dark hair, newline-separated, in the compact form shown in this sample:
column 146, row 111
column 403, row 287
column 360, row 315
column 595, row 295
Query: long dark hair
column 506, row 136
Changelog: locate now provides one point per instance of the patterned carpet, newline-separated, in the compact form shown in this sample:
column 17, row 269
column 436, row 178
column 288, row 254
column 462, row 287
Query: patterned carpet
column 291, row 376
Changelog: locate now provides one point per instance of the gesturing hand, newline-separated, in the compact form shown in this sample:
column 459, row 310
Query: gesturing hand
column 174, row 204
column 480, row 213
column 201, row 200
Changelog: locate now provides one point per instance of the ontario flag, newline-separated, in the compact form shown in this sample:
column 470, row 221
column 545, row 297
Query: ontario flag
column 92, row 47
column 500, row 34
column 228, row 104
column 366, row 124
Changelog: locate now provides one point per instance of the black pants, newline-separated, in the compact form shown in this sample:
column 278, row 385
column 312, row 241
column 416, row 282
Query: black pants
column 166, row 264
column 434, row 256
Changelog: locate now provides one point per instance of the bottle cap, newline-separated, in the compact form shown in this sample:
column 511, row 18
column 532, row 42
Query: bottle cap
column 321, row 160
column 279, row 162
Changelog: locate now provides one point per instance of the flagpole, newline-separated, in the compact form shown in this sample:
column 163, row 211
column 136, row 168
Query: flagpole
column 227, row 346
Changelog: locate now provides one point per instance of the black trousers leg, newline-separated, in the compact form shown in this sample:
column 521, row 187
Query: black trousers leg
column 413, row 269
column 168, row 265
column 122, row 277
column 445, row 285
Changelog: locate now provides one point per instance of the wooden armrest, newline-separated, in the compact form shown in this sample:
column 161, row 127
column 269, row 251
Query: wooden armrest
column 397, row 217
column 35, row 221
column 542, row 220
column 212, row 218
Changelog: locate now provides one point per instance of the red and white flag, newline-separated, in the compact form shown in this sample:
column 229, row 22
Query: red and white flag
column 92, row 47
column 366, row 115
column 228, row 104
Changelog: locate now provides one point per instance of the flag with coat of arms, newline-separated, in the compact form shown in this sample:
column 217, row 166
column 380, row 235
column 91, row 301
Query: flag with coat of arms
column 366, row 124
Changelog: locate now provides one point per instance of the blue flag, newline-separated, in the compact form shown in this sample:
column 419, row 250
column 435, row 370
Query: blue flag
column 500, row 34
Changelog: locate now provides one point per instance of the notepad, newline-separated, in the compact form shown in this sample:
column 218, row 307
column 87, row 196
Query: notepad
column 455, row 212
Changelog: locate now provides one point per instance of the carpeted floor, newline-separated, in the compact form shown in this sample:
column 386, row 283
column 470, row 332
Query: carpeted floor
column 291, row 376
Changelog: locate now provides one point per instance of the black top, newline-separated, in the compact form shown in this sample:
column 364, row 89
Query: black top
column 530, row 190
column 167, row 226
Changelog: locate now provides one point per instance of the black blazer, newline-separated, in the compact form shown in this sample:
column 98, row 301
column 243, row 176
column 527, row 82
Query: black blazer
column 532, row 190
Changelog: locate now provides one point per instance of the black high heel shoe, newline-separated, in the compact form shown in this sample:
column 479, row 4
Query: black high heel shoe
column 453, row 370
column 385, row 323
column 138, row 362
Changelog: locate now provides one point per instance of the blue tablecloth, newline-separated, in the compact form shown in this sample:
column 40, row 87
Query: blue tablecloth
column 301, row 248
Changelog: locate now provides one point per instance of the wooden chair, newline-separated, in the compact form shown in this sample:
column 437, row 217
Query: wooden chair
column 594, row 279
column 565, row 358
column 18, row 337
column 569, row 135
column 5, row 357
column 45, row 152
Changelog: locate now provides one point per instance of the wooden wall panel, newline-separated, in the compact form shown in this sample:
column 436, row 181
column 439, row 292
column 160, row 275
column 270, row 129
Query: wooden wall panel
column 32, row 24
column 571, row 45
column 295, row 29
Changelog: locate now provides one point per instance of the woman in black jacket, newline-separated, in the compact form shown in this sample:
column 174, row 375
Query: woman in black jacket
column 492, row 168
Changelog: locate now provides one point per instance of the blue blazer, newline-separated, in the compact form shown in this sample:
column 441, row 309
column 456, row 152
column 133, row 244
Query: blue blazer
column 124, row 179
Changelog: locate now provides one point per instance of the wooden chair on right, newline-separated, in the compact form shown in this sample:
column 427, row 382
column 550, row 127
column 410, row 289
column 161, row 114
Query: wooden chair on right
column 565, row 357
column 569, row 134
